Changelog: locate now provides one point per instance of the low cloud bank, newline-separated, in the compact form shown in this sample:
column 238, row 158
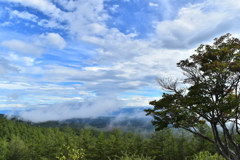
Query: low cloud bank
column 136, row 113
column 90, row 108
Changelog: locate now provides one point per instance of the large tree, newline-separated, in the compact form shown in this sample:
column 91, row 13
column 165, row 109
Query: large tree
column 208, row 94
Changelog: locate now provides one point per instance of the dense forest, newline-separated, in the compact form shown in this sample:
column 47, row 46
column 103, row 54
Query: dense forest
column 21, row 141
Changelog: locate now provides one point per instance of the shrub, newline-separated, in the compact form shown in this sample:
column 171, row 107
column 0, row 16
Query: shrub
column 207, row 156
column 133, row 157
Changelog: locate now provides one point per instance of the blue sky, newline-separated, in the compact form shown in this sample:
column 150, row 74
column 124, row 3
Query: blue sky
column 72, row 58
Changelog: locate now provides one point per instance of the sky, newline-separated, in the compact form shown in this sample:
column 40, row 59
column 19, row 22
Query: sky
column 62, row 59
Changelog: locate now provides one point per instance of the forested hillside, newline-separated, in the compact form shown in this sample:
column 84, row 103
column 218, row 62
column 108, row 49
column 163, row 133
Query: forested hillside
column 20, row 141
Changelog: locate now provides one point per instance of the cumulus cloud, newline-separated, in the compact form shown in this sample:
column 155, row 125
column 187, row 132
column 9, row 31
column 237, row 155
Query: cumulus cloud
column 22, row 47
column 88, row 18
column 196, row 23
column 53, row 39
column 82, row 18
column 90, row 108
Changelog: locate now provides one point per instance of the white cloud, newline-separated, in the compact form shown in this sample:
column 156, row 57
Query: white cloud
column 153, row 4
column 22, row 47
column 130, row 84
column 93, row 107
column 27, row 61
column 15, row 85
column 44, row 6
column 53, row 39
column 138, row 100
column 49, row 24
column 5, row 106
column 197, row 23
column 137, row 113
column 83, row 18
column 25, row 15
column 116, row 45
column 4, row 24
column 87, row 19
column 114, row 8
column 69, row 5
column 96, row 68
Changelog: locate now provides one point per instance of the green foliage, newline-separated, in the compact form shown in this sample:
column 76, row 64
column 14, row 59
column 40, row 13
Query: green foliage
column 207, row 156
column 87, row 141
column 68, row 153
column 17, row 149
column 22, row 141
column 133, row 157
column 101, row 145
column 3, row 148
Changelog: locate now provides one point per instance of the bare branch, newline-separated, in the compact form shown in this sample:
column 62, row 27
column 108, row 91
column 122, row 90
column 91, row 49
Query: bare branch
column 170, row 85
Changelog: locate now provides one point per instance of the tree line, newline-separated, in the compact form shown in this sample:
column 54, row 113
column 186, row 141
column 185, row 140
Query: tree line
column 20, row 141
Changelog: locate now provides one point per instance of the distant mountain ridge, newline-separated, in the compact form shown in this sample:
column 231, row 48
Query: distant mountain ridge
column 120, row 111
column 123, row 119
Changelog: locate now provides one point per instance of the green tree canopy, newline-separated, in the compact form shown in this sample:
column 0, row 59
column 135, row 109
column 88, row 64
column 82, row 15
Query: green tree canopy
column 209, row 94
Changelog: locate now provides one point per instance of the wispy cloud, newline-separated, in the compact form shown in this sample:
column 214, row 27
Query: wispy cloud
column 23, row 47
column 153, row 4
column 6, row 67
column 25, row 15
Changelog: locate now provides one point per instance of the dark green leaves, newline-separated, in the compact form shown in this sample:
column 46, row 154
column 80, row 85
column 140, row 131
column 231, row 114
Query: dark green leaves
column 213, row 74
